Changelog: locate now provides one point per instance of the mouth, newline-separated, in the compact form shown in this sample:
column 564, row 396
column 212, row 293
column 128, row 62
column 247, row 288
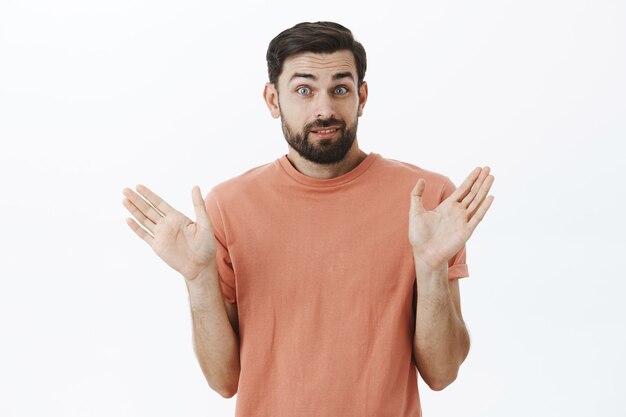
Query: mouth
column 325, row 132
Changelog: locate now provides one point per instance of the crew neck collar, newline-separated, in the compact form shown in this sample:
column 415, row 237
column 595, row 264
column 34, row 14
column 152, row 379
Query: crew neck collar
column 329, row 182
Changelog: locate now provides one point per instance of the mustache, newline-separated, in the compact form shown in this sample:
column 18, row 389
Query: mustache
column 325, row 123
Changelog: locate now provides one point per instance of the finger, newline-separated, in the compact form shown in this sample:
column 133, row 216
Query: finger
column 480, row 213
column 154, row 199
column 482, row 193
column 144, row 206
column 202, row 218
column 141, row 219
column 139, row 231
column 416, row 196
column 475, row 187
column 466, row 186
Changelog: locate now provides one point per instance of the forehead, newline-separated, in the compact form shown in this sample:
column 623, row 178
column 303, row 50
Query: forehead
column 318, row 64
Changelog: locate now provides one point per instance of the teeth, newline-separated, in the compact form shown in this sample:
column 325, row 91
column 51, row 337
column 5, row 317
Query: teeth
column 326, row 131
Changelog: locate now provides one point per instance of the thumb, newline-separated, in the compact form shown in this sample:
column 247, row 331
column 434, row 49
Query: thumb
column 416, row 196
column 202, row 218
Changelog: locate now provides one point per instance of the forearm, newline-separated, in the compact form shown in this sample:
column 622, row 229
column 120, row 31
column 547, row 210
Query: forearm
column 215, row 342
column 441, row 341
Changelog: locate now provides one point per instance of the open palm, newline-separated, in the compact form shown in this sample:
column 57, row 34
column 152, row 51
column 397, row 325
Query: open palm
column 186, row 246
column 437, row 235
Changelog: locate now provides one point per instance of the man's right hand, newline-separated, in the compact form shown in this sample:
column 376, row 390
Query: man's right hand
column 186, row 246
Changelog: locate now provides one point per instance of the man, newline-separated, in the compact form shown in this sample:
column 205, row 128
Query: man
column 321, row 283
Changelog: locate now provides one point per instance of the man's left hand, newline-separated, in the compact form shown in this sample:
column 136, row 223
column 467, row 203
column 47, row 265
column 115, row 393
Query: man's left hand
column 437, row 235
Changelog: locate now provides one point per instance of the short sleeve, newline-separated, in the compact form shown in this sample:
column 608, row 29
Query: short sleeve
column 225, row 269
column 457, row 265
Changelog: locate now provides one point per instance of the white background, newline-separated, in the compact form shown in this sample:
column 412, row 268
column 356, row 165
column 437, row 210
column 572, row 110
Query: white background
column 97, row 96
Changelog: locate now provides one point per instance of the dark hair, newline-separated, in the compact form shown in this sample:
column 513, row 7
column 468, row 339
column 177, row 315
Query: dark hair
column 318, row 37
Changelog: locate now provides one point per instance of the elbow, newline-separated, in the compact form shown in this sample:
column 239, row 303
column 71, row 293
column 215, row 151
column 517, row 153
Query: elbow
column 437, row 380
column 228, row 393
column 438, row 384
column 228, row 389
column 226, row 380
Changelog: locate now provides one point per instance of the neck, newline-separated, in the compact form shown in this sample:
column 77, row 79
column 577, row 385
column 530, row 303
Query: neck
column 325, row 171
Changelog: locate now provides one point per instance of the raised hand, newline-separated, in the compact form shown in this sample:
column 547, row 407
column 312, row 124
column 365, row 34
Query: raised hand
column 437, row 235
column 186, row 246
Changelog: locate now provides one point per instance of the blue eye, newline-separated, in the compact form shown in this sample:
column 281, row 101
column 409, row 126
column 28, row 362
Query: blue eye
column 307, row 89
column 342, row 88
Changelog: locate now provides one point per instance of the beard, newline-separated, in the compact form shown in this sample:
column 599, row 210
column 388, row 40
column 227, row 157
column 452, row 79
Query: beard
column 321, row 151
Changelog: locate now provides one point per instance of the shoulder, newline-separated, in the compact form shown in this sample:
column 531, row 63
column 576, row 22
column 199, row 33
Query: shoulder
column 436, row 182
column 248, row 182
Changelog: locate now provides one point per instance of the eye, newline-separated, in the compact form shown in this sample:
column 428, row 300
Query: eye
column 341, row 90
column 304, row 91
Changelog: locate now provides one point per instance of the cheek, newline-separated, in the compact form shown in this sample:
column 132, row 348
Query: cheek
column 294, row 121
column 350, row 112
column 294, row 115
column 350, row 107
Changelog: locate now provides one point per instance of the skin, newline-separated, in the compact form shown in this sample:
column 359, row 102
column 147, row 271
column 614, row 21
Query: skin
column 302, row 103
column 190, row 248
column 441, row 340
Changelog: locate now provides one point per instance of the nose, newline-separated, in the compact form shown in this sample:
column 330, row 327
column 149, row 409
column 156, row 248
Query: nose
column 324, row 106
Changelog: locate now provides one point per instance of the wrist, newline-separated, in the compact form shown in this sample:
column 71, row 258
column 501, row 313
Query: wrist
column 426, row 263
column 202, row 286
column 202, row 275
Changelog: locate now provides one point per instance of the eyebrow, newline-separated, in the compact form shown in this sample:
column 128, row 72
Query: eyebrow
column 337, row 76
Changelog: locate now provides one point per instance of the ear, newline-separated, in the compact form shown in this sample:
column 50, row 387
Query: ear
column 362, row 98
column 270, row 95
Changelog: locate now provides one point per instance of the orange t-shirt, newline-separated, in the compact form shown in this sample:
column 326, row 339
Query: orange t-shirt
column 323, row 276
